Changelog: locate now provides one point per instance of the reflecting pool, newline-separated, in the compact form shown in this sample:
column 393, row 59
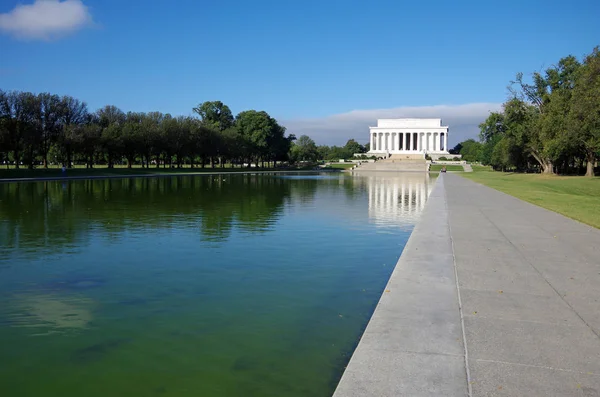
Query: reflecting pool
column 222, row 285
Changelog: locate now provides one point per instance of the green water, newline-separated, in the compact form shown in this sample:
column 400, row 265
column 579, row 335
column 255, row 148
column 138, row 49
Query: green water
column 230, row 285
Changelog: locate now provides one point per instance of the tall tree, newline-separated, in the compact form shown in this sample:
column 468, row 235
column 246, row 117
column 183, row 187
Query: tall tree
column 585, row 110
column 353, row 147
column 15, row 110
column 131, row 136
column 471, row 150
column 89, row 139
column 111, row 120
column 215, row 115
column 304, row 149
column 50, row 114
column 256, row 127
column 74, row 114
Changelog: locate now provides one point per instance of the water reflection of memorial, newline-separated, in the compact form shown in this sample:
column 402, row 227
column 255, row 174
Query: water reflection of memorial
column 397, row 199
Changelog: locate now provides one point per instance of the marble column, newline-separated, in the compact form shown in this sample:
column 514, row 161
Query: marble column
column 446, row 141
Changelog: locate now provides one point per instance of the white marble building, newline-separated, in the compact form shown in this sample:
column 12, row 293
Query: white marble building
column 409, row 136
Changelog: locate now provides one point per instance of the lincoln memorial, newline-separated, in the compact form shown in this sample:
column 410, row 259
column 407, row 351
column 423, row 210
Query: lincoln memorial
column 409, row 136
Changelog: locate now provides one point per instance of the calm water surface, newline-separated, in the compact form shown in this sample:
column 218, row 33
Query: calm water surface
column 230, row 285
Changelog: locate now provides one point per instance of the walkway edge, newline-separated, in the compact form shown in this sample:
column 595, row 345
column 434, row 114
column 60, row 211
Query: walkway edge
column 156, row 175
column 414, row 342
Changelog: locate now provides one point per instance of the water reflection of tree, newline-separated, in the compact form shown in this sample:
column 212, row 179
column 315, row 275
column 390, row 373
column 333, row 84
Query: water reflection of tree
column 54, row 215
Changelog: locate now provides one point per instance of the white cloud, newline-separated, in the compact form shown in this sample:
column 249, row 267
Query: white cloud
column 463, row 121
column 45, row 19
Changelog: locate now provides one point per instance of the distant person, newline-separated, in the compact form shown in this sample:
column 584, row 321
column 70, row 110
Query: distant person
column 443, row 169
column 64, row 171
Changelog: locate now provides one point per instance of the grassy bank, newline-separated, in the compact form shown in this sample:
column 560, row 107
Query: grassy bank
column 123, row 171
column 340, row 166
column 453, row 168
column 572, row 196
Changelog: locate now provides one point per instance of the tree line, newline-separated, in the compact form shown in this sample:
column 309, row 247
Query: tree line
column 549, row 125
column 305, row 149
column 38, row 129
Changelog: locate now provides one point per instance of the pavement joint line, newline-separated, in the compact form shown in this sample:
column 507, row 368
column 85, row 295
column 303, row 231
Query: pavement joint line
column 536, row 366
column 540, row 274
column 460, row 306
column 417, row 352
column 521, row 321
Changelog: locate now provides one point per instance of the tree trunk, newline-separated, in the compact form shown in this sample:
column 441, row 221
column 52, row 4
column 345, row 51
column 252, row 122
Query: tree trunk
column 589, row 172
column 547, row 167
column 545, row 164
column 69, row 158
column 17, row 157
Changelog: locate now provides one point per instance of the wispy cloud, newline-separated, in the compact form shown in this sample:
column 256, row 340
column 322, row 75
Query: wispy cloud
column 45, row 19
column 463, row 121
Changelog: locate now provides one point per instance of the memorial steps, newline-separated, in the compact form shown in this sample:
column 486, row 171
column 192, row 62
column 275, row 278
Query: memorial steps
column 397, row 163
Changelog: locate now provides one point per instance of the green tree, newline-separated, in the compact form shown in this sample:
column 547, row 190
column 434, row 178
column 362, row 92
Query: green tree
column 111, row 120
column 256, row 127
column 304, row 149
column 584, row 114
column 131, row 136
column 88, row 141
column 74, row 114
column 49, row 122
column 471, row 150
column 16, row 111
column 352, row 147
column 215, row 115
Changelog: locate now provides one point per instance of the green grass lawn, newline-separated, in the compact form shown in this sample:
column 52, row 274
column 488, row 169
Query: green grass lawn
column 341, row 166
column 574, row 196
column 104, row 171
column 438, row 167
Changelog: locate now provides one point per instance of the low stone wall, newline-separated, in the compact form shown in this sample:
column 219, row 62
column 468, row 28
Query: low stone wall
column 448, row 156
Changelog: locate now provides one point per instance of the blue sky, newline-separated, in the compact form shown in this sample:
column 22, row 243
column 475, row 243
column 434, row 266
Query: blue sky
column 311, row 64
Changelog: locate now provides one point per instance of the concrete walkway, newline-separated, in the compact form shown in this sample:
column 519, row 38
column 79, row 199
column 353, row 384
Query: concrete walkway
column 492, row 296
column 529, row 281
column 413, row 345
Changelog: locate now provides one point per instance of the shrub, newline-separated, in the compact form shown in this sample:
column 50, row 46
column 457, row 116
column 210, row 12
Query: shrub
column 427, row 157
column 456, row 159
column 443, row 158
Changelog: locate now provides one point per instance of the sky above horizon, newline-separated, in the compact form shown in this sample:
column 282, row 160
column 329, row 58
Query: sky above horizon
column 326, row 68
